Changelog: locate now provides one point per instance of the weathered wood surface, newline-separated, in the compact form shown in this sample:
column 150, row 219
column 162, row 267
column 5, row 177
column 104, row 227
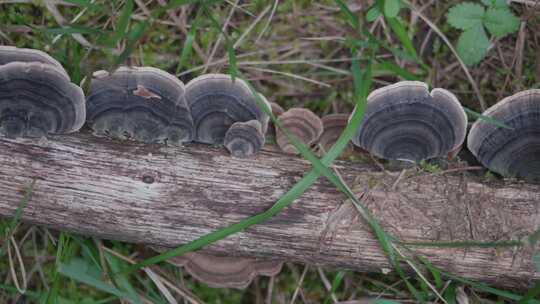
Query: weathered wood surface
column 168, row 196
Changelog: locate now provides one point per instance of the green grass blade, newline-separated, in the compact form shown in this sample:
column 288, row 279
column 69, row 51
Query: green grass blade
column 395, row 69
column 352, row 19
column 122, row 280
column 122, row 24
column 74, row 29
column 531, row 294
column 8, row 231
column 83, row 272
column 487, row 119
column 335, row 285
column 402, row 35
column 188, row 44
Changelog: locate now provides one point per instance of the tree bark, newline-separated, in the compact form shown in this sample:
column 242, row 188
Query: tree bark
column 167, row 196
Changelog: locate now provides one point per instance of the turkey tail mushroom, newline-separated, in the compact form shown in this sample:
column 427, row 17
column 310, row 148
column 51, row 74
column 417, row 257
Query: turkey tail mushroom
column 11, row 54
column 514, row 150
column 141, row 103
column 404, row 121
column 303, row 124
column 216, row 102
column 225, row 272
column 333, row 125
column 37, row 97
column 244, row 139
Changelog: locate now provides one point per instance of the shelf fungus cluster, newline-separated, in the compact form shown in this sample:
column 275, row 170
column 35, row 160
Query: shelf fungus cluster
column 37, row 97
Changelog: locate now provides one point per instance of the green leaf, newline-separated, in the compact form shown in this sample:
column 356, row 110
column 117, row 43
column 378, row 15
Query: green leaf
column 352, row 19
column 472, row 45
column 487, row 119
column 501, row 22
column 391, row 8
column 495, row 3
column 373, row 13
column 83, row 272
column 465, row 15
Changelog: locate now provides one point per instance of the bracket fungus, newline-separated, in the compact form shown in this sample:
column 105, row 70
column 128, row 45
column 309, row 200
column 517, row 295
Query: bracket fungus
column 141, row 103
column 37, row 97
column 303, row 124
column 333, row 125
column 404, row 121
column 244, row 139
column 514, row 150
column 225, row 272
column 11, row 54
column 217, row 102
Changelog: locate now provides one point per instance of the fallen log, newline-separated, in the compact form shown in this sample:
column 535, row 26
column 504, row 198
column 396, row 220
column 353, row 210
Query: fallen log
column 167, row 196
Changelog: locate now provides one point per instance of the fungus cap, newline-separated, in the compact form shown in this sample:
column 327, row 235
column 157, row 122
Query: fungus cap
column 514, row 151
column 37, row 99
column 216, row 102
column 244, row 139
column 404, row 121
column 141, row 103
column 303, row 124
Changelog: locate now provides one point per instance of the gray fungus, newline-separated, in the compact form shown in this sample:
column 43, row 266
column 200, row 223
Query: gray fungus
column 512, row 150
column 402, row 121
column 140, row 103
column 405, row 121
column 37, row 98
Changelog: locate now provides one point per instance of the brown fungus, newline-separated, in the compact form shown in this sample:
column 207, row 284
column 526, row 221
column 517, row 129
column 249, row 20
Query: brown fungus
column 301, row 123
column 405, row 121
column 226, row 272
column 513, row 149
column 333, row 125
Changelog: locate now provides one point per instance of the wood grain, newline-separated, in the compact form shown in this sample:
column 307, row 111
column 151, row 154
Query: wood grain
column 166, row 196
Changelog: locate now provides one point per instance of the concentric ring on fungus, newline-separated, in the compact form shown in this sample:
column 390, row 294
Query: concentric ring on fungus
column 141, row 103
column 37, row 97
column 217, row 102
column 513, row 151
column 404, row 121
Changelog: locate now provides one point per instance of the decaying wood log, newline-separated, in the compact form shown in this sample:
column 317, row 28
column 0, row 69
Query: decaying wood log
column 166, row 196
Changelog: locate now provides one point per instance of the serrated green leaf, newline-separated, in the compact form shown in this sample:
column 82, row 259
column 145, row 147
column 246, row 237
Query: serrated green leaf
column 501, row 22
column 472, row 45
column 373, row 13
column 465, row 15
column 391, row 8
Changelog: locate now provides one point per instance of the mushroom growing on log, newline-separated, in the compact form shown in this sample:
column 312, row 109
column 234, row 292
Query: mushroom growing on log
column 216, row 102
column 404, row 121
column 333, row 125
column 141, row 103
column 303, row 124
column 220, row 271
column 244, row 139
column 37, row 97
column 11, row 54
column 514, row 150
